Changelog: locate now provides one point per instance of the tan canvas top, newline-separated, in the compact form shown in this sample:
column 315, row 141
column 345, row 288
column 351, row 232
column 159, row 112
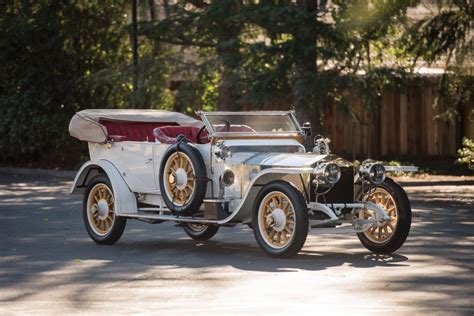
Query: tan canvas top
column 85, row 125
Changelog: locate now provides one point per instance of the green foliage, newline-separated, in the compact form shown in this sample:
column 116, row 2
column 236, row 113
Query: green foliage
column 447, row 36
column 466, row 154
column 48, row 49
column 59, row 57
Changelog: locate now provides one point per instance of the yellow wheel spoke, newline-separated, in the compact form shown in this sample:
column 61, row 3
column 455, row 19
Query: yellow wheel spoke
column 277, row 217
column 381, row 197
column 273, row 204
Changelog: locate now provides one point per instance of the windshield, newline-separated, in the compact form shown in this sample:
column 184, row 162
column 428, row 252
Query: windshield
column 251, row 122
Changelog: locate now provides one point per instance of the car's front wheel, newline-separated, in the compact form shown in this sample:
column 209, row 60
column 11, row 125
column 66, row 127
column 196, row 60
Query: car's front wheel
column 389, row 236
column 102, row 223
column 280, row 219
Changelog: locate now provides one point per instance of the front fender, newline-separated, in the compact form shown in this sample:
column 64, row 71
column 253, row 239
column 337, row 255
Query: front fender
column 241, row 210
column 124, row 199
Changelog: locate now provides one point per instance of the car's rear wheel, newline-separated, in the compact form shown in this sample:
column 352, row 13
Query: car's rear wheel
column 200, row 231
column 280, row 219
column 389, row 236
column 101, row 222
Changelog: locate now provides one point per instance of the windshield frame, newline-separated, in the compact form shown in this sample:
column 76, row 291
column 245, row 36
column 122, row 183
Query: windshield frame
column 213, row 133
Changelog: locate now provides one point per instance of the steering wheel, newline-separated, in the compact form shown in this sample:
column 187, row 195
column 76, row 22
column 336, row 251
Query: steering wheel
column 198, row 136
column 226, row 127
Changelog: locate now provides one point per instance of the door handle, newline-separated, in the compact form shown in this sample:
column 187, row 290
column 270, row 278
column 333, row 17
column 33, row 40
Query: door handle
column 147, row 161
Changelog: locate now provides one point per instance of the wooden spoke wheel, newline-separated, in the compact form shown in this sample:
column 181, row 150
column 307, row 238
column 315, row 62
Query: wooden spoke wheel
column 387, row 237
column 102, row 223
column 276, row 220
column 200, row 231
column 280, row 219
column 183, row 179
column 380, row 233
column 100, row 209
column 179, row 179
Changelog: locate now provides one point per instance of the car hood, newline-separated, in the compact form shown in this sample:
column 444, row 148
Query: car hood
column 292, row 160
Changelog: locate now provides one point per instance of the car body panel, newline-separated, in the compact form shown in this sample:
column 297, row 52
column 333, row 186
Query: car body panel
column 124, row 199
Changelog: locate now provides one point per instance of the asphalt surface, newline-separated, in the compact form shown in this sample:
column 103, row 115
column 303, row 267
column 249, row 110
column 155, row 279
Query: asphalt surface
column 48, row 264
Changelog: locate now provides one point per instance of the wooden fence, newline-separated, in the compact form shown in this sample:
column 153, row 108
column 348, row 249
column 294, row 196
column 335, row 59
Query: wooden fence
column 405, row 127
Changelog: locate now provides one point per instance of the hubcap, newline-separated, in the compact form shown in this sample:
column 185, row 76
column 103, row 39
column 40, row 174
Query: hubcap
column 179, row 179
column 101, row 209
column 381, row 232
column 276, row 220
column 279, row 219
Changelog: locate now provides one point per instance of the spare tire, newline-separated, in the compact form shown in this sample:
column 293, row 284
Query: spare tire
column 183, row 179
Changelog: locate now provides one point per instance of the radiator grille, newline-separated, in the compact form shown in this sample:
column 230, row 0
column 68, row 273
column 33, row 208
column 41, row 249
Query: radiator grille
column 343, row 190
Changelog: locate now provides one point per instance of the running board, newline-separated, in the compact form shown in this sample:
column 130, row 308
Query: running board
column 171, row 218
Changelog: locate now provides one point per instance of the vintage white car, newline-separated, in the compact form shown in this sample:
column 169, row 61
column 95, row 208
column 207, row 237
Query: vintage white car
column 230, row 168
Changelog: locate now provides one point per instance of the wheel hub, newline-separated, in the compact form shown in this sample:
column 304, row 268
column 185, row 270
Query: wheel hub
column 103, row 208
column 181, row 178
column 279, row 219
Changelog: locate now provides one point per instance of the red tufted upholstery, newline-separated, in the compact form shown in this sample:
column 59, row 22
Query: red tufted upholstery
column 169, row 134
column 132, row 131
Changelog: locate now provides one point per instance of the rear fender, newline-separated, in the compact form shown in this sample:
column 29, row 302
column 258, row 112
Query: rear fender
column 125, row 200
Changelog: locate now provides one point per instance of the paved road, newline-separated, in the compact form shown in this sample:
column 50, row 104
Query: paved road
column 48, row 265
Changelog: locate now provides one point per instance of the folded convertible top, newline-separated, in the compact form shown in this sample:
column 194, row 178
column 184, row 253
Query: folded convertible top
column 86, row 125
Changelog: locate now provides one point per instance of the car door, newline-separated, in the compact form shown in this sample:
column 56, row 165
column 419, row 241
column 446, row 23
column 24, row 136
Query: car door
column 136, row 161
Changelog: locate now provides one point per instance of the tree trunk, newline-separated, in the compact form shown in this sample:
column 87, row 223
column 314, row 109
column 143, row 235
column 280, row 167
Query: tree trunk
column 306, row 100
column 228, row 50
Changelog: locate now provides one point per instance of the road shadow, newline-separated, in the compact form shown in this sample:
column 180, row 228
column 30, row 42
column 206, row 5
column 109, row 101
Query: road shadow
column 43, row 235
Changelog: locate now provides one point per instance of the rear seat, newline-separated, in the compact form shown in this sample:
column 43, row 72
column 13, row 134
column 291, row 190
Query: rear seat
column 132, row 131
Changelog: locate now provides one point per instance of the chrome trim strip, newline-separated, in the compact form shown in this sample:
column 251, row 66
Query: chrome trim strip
column 401, row 168
column 260, row 134
column 244, row 112
column 171, row 218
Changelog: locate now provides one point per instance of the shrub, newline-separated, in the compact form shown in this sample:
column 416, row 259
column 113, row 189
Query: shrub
column 466, row 153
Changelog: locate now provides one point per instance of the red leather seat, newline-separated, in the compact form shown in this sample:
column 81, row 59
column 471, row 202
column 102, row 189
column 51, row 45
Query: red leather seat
column 169, row 134
column 131, row 131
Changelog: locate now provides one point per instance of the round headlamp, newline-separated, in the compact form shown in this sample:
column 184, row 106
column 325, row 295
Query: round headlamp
column 373, row 172
column 222, row 151
column 330, row 173
column 227, row 178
